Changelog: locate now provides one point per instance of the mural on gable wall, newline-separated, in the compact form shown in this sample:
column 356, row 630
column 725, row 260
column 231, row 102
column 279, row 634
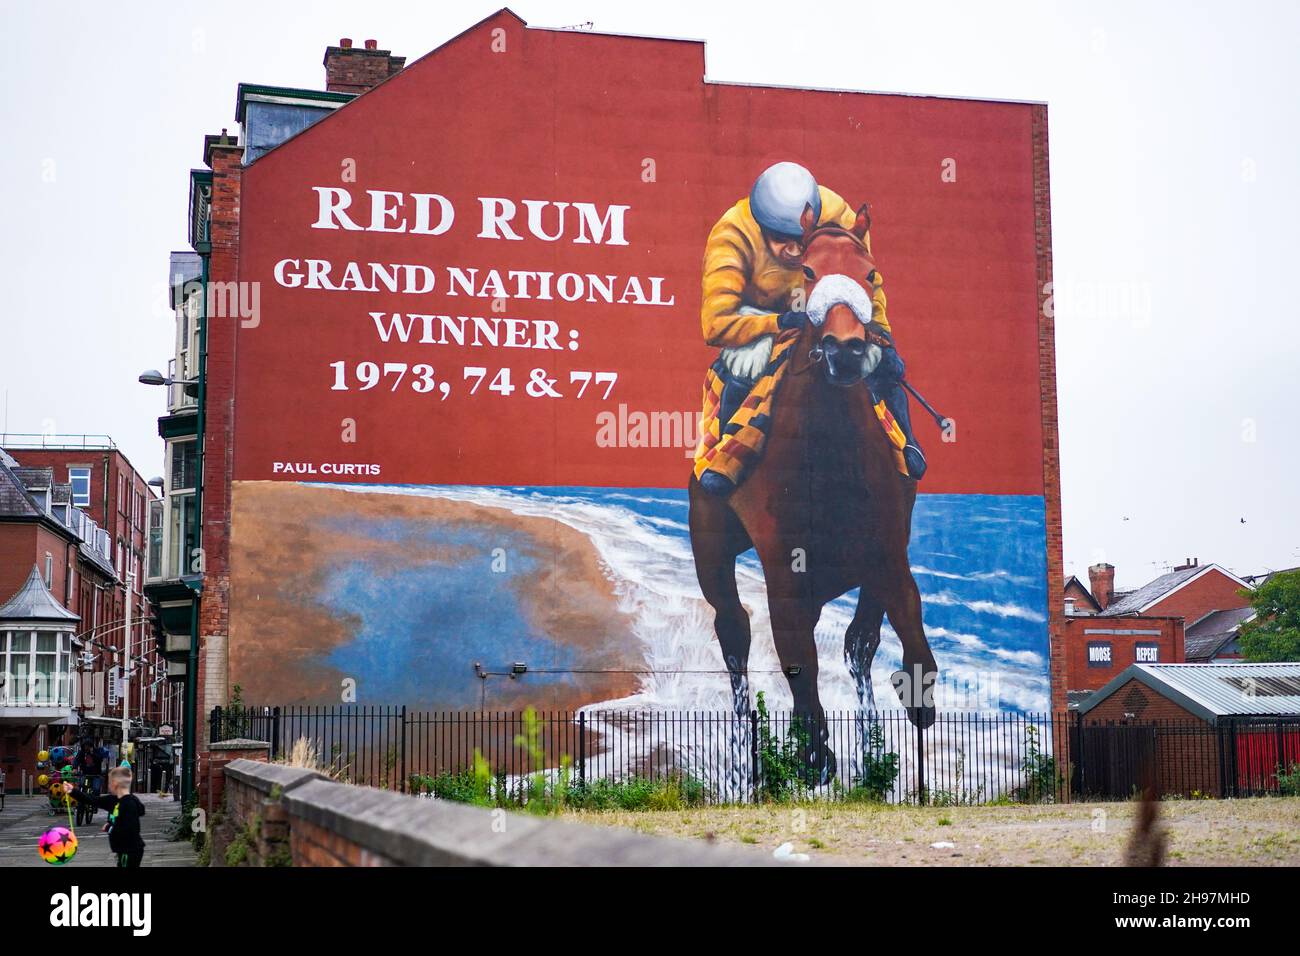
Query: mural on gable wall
column 470, row 427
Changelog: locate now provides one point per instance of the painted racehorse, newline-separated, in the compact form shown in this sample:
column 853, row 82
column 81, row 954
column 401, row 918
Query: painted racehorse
column 825, row 508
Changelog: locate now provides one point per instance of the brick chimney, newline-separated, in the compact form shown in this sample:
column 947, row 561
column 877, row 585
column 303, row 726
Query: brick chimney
column 1188, row 564
column 349, row 70
column 1101, row 578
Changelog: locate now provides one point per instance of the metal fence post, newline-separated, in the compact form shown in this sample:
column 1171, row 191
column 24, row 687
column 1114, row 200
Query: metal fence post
column 275, row 732
column 753, row 753
column 920, row 765
column 582, row 749
column 214, row 725
column 402, row 764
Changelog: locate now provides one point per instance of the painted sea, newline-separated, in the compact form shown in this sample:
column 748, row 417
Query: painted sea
column 979, row 561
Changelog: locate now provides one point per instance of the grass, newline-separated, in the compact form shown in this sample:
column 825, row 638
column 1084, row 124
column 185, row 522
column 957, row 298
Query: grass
column 1248, row 832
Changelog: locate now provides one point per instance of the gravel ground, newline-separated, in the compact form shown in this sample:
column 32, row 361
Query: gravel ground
column 1254, row 832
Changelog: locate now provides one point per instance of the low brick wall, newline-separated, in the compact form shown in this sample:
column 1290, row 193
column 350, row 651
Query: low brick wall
column 212, row 765
column 298, row 817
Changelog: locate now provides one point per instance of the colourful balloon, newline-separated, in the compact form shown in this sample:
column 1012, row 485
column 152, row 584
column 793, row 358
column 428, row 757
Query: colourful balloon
column 43, row 780
column 57, row 846
column 43, row 755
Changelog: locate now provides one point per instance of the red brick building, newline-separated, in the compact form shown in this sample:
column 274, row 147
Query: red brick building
column 271, row 116
column 1190, row 591
column 1220, row 729
column 107, row 488
column 51, row 499
column 1193, row 606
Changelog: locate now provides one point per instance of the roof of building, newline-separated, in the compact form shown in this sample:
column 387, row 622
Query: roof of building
column 1205, row 637
column 1135, row 602
column 15, row 502
column 35, row 477
column 1217, row 689
column 1074, row 579
column 1255, row 580
column 34, row 602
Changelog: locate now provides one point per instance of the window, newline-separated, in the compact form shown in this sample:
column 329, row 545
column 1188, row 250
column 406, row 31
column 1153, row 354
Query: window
column 121, row 493
column 181, row 533
column 112, row 686
column 38, row 667
column 183, row 465
column 42, row 496
column 155, row 546
column 1099, row 654
column 181, row 522
column 80, row 480
column 1146, row 653
column 49, row 570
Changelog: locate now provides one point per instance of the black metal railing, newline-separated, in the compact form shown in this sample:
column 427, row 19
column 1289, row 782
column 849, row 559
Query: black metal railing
column 720, row 757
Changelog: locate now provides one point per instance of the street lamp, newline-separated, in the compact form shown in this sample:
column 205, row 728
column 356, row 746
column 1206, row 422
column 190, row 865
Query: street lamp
column 151, row 376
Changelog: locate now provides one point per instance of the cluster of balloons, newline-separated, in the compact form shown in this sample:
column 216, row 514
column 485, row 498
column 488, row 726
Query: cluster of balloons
column 57, row 845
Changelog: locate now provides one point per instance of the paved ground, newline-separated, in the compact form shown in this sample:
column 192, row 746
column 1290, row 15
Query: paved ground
column 24, row 819
column 1255, row 832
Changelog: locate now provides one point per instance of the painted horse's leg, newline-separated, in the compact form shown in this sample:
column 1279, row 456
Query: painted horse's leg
column 861, row 639
column 793, row 622
column 716, row 540
column 915, row 683
column 860, row 642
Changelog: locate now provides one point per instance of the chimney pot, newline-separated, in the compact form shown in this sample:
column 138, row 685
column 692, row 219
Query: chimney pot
column 1101, row 577
column 349, row 70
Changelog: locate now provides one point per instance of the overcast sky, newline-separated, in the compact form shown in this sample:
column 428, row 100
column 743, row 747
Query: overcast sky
column 1175, row 150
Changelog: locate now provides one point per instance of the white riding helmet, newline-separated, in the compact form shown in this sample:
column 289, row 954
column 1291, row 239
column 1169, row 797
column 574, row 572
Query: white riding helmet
column 779, row 196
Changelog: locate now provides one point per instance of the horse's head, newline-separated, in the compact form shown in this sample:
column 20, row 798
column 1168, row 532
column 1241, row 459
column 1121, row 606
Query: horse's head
column 838, row 272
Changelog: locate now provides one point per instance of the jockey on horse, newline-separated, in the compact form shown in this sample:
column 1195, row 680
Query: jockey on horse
column 752, row 268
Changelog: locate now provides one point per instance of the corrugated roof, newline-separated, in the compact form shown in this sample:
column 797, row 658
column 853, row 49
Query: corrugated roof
column 1217, row 689
column 34, row 602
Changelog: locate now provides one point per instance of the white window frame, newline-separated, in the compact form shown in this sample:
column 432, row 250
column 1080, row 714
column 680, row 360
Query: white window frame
column 74, row 472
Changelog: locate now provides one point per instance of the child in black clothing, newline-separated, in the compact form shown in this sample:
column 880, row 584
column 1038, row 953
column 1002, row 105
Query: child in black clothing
column 124, row 813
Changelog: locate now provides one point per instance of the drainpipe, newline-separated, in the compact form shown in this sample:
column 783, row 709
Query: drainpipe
column 192, row 663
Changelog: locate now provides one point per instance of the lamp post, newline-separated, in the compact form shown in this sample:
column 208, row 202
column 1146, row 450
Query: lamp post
column 154, row 377
column 126, row 669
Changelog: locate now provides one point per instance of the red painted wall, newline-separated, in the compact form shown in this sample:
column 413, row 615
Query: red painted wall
column 573, row 117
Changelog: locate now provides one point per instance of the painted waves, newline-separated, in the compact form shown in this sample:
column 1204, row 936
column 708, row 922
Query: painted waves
column 979, row 561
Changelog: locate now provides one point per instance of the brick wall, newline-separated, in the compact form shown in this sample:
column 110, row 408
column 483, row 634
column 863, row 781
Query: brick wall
column 352, row 70
column 1187, row 748
column 212, row 766
column 1168, row 637
column 1047, row 394
column 214, row 609
column 297, row 816
column 1212, row 591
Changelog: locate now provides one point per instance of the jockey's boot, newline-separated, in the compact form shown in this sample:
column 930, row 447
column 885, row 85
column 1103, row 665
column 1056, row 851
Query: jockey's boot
column 895, row 399
column 734, row 391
